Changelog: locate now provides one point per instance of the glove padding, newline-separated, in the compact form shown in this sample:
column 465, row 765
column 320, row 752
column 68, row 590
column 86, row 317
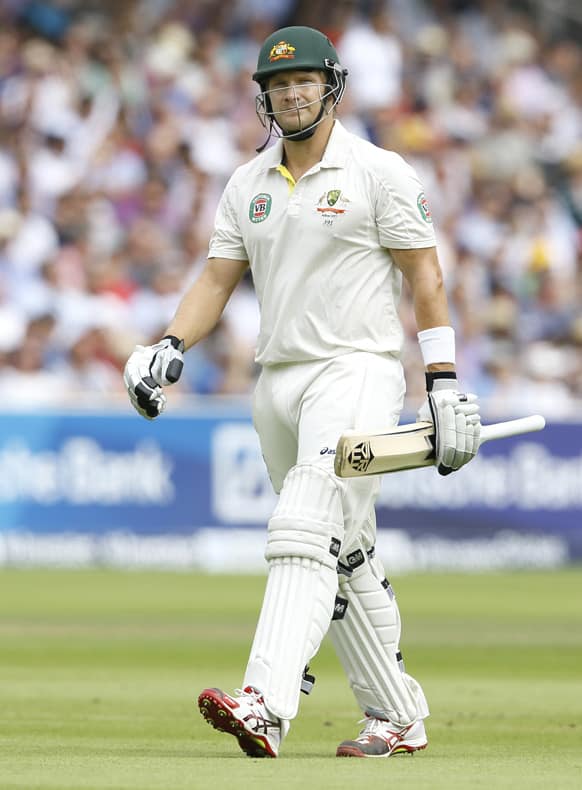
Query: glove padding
column 456, row 420
column 148, row 369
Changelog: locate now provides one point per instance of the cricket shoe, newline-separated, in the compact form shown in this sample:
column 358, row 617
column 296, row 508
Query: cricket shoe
column 258, row 732
column 381, row 738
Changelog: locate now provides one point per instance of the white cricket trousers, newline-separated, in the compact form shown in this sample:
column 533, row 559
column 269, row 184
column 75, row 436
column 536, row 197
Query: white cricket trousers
column 300, row 410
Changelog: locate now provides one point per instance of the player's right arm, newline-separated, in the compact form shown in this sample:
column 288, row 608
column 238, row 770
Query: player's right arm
column 149, row 368
column 202, row 305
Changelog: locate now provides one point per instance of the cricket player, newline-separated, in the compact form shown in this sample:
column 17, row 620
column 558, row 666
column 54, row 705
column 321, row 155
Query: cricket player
column 328, row 224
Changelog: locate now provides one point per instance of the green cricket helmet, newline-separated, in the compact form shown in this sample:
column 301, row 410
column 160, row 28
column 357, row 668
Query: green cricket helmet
column 298, row 49
column 301, row 48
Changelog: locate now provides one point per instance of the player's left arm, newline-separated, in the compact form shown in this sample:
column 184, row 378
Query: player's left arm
column 455, row 414
column 422, row 271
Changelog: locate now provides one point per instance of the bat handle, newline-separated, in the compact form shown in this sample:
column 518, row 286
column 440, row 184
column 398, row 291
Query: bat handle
column 501, row 430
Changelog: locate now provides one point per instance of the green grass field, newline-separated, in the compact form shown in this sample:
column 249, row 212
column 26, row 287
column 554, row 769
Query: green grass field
column 100, row 670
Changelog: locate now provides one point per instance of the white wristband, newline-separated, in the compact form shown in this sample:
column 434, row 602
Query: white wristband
column 437, row 344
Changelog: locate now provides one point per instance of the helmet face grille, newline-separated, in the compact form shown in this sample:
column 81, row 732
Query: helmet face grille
column 335, row 88
column 267, row 117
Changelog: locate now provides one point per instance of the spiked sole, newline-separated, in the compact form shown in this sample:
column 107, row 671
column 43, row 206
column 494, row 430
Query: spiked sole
column 220, row 716
column 354, row 750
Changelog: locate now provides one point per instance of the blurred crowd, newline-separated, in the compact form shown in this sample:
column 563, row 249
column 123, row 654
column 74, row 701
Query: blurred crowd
column 120, row 123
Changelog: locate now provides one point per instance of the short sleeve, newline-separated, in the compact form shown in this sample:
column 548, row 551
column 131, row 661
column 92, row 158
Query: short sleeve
column 226, row 240
column 403, row 214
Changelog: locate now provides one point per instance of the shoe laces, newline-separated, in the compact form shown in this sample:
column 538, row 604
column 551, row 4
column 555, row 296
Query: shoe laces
column 250, row 693
column 381, row 727
column 254, row 698
column 371, row 725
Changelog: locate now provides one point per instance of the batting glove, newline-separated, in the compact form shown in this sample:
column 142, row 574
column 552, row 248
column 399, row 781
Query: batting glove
column 456, row 421
column 148, row 369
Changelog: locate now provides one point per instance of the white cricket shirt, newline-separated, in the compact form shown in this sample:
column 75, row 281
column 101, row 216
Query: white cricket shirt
column 319, row 250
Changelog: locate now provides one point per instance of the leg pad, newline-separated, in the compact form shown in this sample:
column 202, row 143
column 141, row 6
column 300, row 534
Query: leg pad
column 304, row 542
column 366, row 641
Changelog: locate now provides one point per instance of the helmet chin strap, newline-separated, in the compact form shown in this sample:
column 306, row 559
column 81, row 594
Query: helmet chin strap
column 294, row 137
column 307, row 133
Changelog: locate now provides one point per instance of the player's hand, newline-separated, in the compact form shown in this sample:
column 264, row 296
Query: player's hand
column 148, row 369
column 456, row 420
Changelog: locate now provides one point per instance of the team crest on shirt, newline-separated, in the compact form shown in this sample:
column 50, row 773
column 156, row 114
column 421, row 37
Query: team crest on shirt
column 331, row 205
column 332, row 196
column 424, row 208
column 260, row 207
column 281, row 51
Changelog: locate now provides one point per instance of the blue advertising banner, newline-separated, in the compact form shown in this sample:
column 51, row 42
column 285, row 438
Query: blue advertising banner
column 96, row 474
column 88, row 473
column 531, row 482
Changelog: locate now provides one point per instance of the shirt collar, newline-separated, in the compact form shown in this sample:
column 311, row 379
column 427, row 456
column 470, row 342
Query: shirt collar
column 335, row 154
column 273, row 156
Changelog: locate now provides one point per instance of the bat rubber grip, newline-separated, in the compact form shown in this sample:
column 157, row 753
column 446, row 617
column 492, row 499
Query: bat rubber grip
column 502, row 430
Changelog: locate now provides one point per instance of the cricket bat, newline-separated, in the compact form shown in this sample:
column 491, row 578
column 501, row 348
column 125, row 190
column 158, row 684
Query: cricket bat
column 410, row 446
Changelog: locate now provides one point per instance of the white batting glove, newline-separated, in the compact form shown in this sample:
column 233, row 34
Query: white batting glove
column 148, row 369
column 456, row 420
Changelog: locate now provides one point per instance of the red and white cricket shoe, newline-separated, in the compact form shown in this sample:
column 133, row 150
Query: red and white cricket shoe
column 258, row 732
column 381, row 738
